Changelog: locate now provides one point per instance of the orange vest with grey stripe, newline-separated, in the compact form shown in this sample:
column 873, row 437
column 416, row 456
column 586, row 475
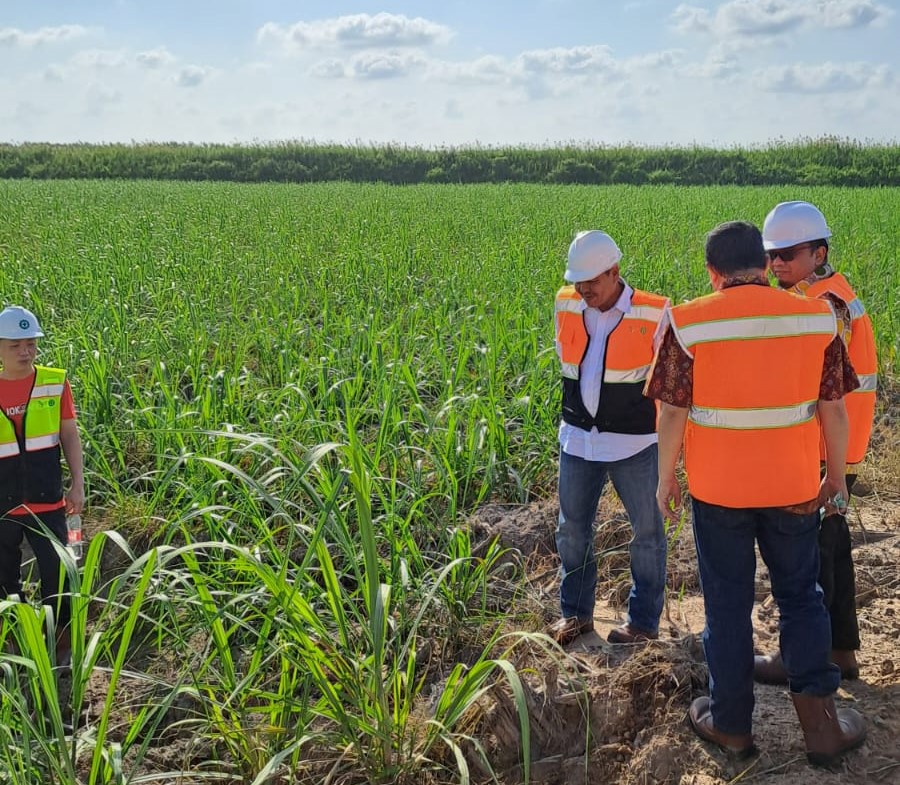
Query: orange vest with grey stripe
column 30, row 469
column 629, row 355
column 752, row 437
column 861, row 348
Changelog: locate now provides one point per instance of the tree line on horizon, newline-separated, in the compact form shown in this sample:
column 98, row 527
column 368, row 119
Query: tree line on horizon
column 827, row 161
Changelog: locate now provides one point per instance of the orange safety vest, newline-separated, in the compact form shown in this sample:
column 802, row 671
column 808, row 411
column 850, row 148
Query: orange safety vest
column 629, row 354
column 861, row 347
column 627, row 362
column 752, row 438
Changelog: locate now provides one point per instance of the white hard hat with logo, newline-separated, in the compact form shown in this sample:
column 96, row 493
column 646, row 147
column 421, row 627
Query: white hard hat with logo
column 792, row 223
column 591, row 253
column 17, row 322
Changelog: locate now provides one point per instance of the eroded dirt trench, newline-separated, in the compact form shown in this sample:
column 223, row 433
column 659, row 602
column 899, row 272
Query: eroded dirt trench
column 617, row 713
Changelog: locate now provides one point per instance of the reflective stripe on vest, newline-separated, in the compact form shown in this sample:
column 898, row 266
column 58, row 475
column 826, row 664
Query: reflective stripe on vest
column 857, row 309
column 42, row 415
column 752, row 438
column 753, row 419
column 649, row 313
column 861, row 348
column 8, row 449
column 868, row 382
column 570, row 370
column 632, row 375
column 756, row 328
column 42, row 442
column 48, row 391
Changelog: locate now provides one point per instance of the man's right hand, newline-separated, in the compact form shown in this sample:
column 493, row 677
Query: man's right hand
column 668, row 498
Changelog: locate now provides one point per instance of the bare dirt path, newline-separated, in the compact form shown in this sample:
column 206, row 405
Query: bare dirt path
column 638, row 696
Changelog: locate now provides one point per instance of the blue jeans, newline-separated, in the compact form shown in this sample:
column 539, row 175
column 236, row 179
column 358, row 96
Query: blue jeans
column 725, row 551
column 581, row 483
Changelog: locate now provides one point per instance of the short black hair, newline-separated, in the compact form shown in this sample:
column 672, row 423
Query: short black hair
column 821, row 244
column 735, row 246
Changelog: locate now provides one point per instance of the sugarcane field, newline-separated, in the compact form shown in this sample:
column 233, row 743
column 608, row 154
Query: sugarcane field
column 320, row 429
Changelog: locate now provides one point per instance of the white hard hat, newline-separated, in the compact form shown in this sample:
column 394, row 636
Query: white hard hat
column 18, row 322
column 591, row 253
column 792, row 223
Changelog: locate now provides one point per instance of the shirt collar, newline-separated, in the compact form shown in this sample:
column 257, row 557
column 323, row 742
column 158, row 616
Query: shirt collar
column 624, row 301
column 822, row 272
column 753, row 277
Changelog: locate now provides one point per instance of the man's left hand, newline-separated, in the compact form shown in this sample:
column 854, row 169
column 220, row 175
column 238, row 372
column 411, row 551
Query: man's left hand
column 833, row 495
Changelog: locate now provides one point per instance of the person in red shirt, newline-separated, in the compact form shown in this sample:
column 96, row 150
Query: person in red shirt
column 37, row 421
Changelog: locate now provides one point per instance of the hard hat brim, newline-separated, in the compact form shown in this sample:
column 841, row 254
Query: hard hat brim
column 577, row 276
column 775, row 245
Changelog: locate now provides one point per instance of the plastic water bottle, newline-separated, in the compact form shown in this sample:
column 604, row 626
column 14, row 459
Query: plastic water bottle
column 73, row 524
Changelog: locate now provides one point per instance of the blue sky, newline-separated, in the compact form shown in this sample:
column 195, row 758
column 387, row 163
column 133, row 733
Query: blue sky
column 494, row 72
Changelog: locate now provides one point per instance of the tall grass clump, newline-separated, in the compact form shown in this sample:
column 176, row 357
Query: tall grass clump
column 313, row 651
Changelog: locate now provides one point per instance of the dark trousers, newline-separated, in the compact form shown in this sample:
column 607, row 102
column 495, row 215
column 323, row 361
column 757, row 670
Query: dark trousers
column 837, row 578
column 12, row 529
column 726, row 539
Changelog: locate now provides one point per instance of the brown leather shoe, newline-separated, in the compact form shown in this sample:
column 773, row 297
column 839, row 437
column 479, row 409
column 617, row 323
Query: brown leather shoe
column 567, row 629
column 845, row 659
column 628, row 634
column 829, row 732
column 738, row 745
column 769, row 669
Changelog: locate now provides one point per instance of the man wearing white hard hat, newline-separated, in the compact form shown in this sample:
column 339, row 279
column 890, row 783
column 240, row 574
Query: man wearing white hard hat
column 37, row 418
column 795, row 236
column 605, row 332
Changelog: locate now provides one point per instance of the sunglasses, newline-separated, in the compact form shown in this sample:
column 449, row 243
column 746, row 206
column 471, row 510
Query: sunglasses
column 787, row 254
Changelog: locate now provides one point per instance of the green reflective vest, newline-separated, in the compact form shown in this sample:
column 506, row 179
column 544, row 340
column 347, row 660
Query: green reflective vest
column 30, row 468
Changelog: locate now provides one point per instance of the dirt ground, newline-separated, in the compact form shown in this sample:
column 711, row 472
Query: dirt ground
column 639, row 695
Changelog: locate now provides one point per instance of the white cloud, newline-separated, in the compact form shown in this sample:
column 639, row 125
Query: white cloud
column 26, row 111
column 575, row 60
column 537, row 64
column 355, row 31
column 100, row 59
column 691, row 19
column 99, row 97
column 769, row 17
column 717, row 65
column 756, row 18
column 489, row 69
column 664, row 60
column 192, row 76
column 855, row 14
column 452, row 110
column 332, row 68
column 13, row 37
column 823, row 78
column 155, row 58
column 385, row 65
column 122, row 63
column 53, row 73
